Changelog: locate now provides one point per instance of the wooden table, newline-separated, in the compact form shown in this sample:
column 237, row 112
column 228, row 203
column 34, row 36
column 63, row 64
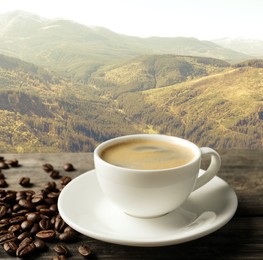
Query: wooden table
column 241, row 238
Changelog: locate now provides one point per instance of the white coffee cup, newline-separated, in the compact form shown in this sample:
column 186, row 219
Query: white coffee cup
column 152, row 193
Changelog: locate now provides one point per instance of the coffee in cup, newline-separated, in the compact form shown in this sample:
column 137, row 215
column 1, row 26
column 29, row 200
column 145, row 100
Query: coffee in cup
column 149, row 175
column 147, row 154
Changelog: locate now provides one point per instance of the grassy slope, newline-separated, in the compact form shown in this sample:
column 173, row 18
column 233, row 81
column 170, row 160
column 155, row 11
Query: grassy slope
column 212, row 107
column 154, row 71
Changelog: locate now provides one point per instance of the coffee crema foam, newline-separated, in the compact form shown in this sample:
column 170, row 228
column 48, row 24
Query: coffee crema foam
column 146, row 154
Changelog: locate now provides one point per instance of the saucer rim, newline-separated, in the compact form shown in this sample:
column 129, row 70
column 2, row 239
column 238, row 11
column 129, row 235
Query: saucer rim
column 227, row 216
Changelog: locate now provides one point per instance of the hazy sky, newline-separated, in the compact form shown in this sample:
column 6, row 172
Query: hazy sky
column 203, row 19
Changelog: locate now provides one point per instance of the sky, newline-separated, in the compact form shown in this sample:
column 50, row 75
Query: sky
column 202, row 19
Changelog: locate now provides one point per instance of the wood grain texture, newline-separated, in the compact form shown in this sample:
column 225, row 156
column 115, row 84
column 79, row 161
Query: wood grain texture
column 241, row 238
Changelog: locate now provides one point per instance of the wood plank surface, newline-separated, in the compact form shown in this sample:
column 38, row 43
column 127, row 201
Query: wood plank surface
column 241, row 238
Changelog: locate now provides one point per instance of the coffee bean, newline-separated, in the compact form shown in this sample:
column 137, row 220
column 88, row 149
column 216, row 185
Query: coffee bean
column 69, row 236
column 14, row 228
column 50, row 201
column 47, row 167
column 25, row 248
column 46, row 235
column 37, row 199
column 69, row 229
column 44, row 216
column 8, row 236
column 3, row 165
column 68, row 167
column 10, row 247
column 61, row 250
column 26, row 204
column 40, row 245
column 20, row 195
column 45, row 224
column 3, row 183
column 46, row 212
column 21, row 212
column 12, row 163
column 33, row 216
column 54, row 207
column 53, row 195
column 17, row 219
column 84, row 250
column 65, row 180
column 54, row 174
column 23, row 235
column 3, row 211
column 3, row 231
column 27, row 225
column 50, row 186
column 16, row 208
column 26, row 241
column 4, row 223
column 60, row 224
column 25, row 182
column 34, row 229
column 9, row 197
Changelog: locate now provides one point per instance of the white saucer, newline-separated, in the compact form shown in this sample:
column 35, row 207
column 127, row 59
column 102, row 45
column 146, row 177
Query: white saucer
column 84, row 207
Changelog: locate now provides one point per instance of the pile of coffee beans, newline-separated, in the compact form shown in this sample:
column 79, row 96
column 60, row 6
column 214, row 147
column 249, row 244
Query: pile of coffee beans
column 30, row 221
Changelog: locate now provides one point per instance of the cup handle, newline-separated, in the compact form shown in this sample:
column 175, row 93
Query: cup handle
column 212, row 170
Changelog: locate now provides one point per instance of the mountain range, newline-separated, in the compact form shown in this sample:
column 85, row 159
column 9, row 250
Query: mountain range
column 68, row 47
column 67, row 87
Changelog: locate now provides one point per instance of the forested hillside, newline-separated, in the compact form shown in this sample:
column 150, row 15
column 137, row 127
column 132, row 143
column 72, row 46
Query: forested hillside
column 43, row 112
column 202, row 99
column 154, row 71
column 224, row 110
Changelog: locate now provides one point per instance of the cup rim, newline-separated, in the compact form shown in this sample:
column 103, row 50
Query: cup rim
column 161, row 137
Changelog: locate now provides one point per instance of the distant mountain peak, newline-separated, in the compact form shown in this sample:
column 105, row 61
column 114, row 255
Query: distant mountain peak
column 22, row 14
column 253, row 47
